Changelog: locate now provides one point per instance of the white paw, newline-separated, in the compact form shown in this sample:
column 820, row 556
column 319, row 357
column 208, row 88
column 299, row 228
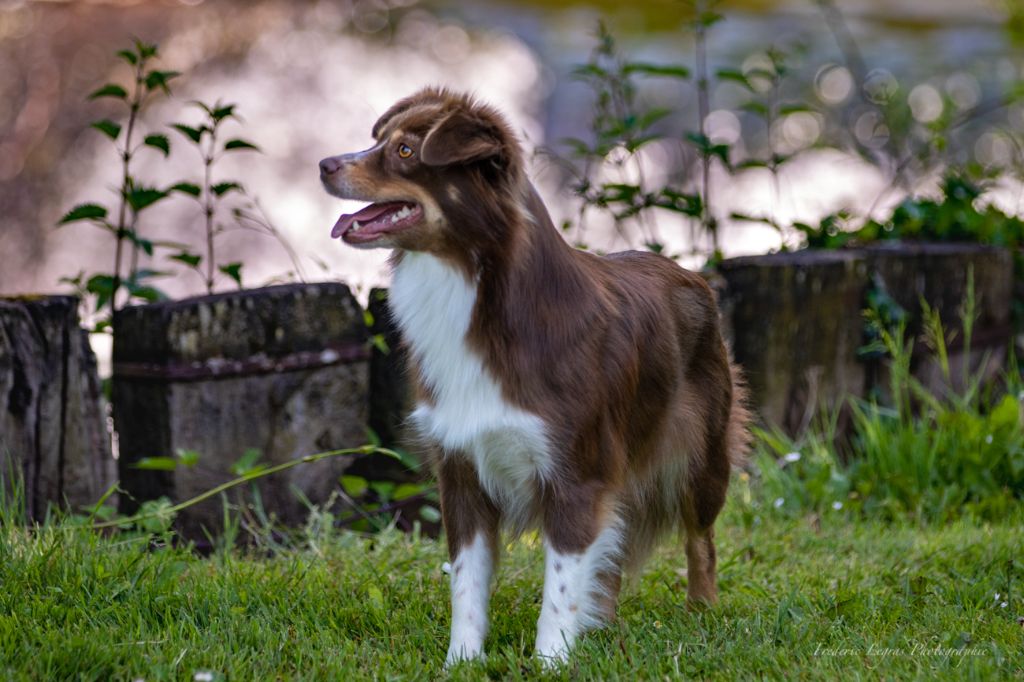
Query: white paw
column 553, row 646
column 462, row 652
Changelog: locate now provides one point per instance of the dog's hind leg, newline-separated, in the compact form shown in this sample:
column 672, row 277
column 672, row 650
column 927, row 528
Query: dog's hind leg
column 471, row 523
column 704, row 500
column 701, row 585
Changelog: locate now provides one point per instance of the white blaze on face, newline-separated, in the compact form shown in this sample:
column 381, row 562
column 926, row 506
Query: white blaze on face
column 572, row 593
column 471, row 581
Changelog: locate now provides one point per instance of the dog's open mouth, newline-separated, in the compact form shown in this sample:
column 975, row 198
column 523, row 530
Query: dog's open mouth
column 376, row 220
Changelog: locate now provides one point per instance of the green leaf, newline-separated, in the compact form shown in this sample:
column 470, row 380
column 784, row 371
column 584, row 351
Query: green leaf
column 75, row 281
column 590, row 71
column 108, row 127
column 247, row 463
column 145, row 50
column 735, row 76
column 649, row 118
column 383, row 490
column 793, row 108
column 232, row 270
column 158, row 79
column 240, row 144
column 757, row 108
column 407, row 490
column 701, row 141
column 222, row 188
column 194, row 134
column 765, row 220
column 721, row 151
column 146, row 273
column 187, row 458
column 159, row 142
column 668, row 70
column 380, row 343
column 707, row 19
column 186, row 188
column 579, row 147
column 128, row 56
column 223, row 112
column 84, row 212
column 146, row 293
column 189, row 259
column 141, row 242
column 354, row 486
column 156, row 464
column 430, row 514
column 110, row 90
column 103, row 287
column 141, row 197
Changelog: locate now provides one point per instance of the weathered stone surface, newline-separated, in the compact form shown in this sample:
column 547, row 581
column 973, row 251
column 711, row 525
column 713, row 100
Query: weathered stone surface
column 52, row 424
column 796, row 327
column 795, row 319
column 940, row 274
column 284, row 370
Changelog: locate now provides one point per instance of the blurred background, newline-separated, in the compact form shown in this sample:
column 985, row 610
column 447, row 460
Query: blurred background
column 706, row 130
column 309, row 77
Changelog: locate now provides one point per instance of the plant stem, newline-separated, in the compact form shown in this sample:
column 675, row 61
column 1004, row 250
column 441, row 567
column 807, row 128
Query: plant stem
column 126, row 181
column 208, row 208
column 235, row 482
column 703, row 109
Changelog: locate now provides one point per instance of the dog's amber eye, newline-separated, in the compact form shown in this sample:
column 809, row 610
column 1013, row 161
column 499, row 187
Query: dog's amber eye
column 405, row 151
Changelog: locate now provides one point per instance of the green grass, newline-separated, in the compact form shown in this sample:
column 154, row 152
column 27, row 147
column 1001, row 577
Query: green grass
column 818, row 597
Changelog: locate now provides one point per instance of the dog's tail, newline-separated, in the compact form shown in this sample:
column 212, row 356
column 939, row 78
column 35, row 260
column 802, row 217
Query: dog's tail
column 737, row 435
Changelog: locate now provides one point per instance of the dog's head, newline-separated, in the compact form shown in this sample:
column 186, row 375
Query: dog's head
column 438, row 176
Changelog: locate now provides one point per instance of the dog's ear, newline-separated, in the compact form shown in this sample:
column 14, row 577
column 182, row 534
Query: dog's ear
column 460, row 138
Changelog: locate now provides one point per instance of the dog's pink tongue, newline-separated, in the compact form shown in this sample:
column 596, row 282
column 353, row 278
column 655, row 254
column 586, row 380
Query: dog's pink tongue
column 365, row 215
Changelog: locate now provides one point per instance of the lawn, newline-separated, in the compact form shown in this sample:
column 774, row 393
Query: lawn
column 801, row 597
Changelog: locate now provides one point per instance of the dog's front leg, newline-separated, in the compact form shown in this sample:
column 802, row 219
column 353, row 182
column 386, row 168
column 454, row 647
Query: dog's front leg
column 471, row 524
column 582, row 539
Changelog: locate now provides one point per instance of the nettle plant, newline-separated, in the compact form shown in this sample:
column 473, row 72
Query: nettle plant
column 911, row 133
column 127, row 281
column 206, row 137
column 620, row 127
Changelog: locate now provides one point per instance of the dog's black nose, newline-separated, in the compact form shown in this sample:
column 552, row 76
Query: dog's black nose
column 330, row 165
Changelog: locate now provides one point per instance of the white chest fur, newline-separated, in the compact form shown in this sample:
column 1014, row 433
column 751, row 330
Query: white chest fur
column 433, row 305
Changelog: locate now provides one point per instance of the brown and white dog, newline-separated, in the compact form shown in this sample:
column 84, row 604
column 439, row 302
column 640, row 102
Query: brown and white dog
column 591, row 397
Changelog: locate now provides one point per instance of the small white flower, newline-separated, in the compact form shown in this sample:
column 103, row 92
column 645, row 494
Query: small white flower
column 988, row 439
column 791, row 457
column 203, row 676
column 837, row 505
column 446, row 568
column 997, row 596
column 1003, row 605
column 779, row 502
